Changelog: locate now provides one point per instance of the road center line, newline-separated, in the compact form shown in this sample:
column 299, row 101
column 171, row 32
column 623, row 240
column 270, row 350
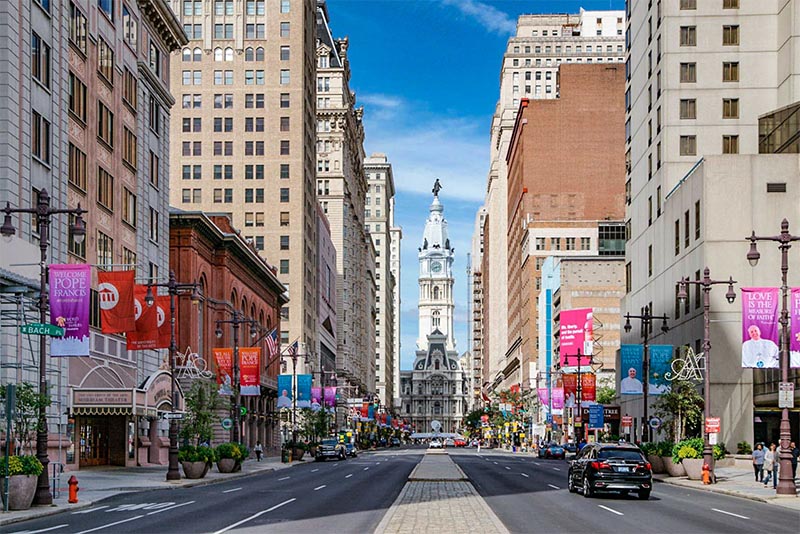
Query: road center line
column 90, row 510
column 508, row 468
column 730, row 513
column 495, row 463
column 525, row 475
column 552, row 486
column 610, row 509
column 320, row 487
column 536, row 463
column 348, row 476
column 232, row 490
column 366, row 468
column 42, row 530
column 556, row 469
column 262, row 512
column 171, row 507
column 111, row 524
column 314, row 470
column 284, row 478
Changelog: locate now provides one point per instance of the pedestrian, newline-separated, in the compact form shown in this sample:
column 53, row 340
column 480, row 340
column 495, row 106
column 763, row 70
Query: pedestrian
column 771, row 466
column 259, row 450
column 581, row 444
column 479, row 446
column 795, row 452
column 758, row 462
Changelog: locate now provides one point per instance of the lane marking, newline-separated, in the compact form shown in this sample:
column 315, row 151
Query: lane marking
column 377, row 463
column 536, row 463
column 348, row 476
column 508, row 468
column 610, row 509
column 552, row 486
column 730, row 513
column 232, row 490
column 556, row 469
column 42, row 530
column 90, row 510
column 111, row 524
column 525, row 475
column 314, row 470
column 495, row 463
column 262, row 512
column 320, row 487
column 171, row 508
column 366, row 468
column 284, row 478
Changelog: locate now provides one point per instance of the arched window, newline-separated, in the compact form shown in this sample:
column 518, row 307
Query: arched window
column 229, row 54
column 248, row 54
column 436, row 364
column 198, row 54
column 259, row 54
column 436, row 318
column 187, row 54
column 217, row 54
column 436, row 292
column 244, row 306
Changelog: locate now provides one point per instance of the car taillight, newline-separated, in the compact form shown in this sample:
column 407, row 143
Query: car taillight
column 600, row 465
column 648, row 466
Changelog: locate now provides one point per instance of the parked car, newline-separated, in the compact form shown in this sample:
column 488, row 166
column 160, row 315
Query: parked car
column 449, row 442
column 603, row 467
column 460, row 442
column 552, row 451
column 435, row 444
column 394, row 442
column 331, row 448
column 571, row 447
column 350, row 450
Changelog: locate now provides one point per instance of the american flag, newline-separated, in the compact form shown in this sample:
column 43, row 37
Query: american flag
column 292, row 349
column 272, row 342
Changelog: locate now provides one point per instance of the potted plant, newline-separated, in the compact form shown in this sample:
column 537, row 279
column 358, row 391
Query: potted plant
column 663, row 450
column 230, row 457
column 689, row 453
column 23, row 472
column 196, row 460
column 650, row 450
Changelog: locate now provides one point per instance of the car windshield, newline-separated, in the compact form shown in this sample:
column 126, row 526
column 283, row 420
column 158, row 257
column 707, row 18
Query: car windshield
column 619, row 454
column 329, row 442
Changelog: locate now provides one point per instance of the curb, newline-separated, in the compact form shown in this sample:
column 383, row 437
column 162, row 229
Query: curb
column 721, row 491
column 387, row 517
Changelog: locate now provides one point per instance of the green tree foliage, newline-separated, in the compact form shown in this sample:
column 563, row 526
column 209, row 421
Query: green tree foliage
column 202, row 403
column 606, row 395
column 26, row 416
column 681, row 409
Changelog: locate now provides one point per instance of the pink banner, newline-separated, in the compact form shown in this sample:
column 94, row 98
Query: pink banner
column 330, row 396
column 249, row 376
column 544, row 398
column 760, row 327
column 794, row 342
column 558, row 398
column 575, row 336
column 69, row 308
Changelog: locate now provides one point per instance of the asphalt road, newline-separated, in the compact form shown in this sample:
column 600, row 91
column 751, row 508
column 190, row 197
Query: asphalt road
column 530, row 495
column 320, row 497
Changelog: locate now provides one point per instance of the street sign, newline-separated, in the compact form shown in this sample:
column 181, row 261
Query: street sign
column 712, row 425
column 627, row 421
column 712, row 438
column 173, row 415
column 42, row 329
column 242, row 410
column 654, row 422
column 786, row 395
column 227, row 423
column 596, row 416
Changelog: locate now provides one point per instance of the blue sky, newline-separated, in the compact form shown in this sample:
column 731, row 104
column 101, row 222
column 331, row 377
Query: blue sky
column 427, row 73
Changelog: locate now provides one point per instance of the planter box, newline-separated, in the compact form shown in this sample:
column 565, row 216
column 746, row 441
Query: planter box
column 226, row 465
column 657, row 463
column 297, row 454
column 21, row 489
column 674, row 470
column 694, row 468
column 194, row 470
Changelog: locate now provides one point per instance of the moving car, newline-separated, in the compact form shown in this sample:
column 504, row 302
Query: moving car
column 552, row 451
column 394, row 442
column 350, row 449
column 449, row 443
column 435, row 444
column 610, row 467
column 460, row 443
column 570, row 447
column 330, row 448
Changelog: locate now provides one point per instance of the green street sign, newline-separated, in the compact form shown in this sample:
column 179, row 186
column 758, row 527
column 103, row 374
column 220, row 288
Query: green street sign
column 42, row 329
column 242, row 410
column 227, row 423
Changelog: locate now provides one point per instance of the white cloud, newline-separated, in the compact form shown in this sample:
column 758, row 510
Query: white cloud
column 487, row 16
column 380, row 101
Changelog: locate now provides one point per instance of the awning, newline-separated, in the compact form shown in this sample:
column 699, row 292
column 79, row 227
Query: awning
column 153, row 397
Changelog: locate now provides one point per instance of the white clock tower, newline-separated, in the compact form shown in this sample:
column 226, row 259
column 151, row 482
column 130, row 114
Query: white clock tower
column 436, row 277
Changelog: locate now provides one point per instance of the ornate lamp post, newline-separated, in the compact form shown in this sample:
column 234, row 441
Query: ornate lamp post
column 43, row 213
column 683, row 294
column 238, row 319
column 786, row 484
column 174, row 288
column 646, row 320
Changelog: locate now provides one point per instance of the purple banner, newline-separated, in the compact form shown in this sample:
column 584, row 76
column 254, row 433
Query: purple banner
column 544, row 398
column 330, row 396
column 558, row 398
column 760, row 327
column 794, row 343
column 70, row 287
column 316, row 398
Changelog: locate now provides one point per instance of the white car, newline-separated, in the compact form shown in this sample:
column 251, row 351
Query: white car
column 449, row 443
column 435, row 444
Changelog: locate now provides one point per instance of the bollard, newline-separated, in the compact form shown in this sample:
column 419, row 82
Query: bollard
column 73, row 490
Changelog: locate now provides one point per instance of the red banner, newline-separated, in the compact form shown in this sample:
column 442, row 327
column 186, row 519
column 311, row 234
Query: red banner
column 249, row 375
column 588, row 387
column 223, row 358
column 146, row 334
column 365, row 410
column 164, row 321
column 115, row 292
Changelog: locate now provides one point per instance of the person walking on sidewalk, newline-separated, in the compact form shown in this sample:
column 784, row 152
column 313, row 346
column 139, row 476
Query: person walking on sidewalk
column 771, row 466
column 259, row 450
column 758, row 462
column 795, row 452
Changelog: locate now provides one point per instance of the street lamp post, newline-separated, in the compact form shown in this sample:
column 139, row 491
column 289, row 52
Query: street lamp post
column 646, row 321
column 786, row 484
column 595, row 366
column 174, row 288
column 237, row 320
column 43, row 213
column 683, row 294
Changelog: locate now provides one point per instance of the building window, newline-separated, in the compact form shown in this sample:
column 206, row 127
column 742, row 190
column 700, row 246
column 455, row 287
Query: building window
column 649, row 260
column 78, row 250
column 285, row 101
column 649, row 211
column 105, row 189
column 40, row 60
column 284, row 242
column 688, row 145
column 570, row 243
column 40, row 137
column 540, row 243
column 78, row 28
column 688, row 4
column 677, row 236
column 688, row 108
column 730, row 144
column 105, row 61
column 730, row 108
column 129, row 148
column 688, row 72
column 285, row 29
column 129, row 89
column 730, row 4
column 688, row 36
column 155, row 116
column 77, row 97
column 155, row 59
column 77, row 167
column 697, row 220
column 628, row 274
column 154, row 215
column 285, row 53
column 128, row 207
column 730, row 71
column 105, row 249
column 730, row 35
column 285, row 78
column 284, row 267
column 284, row 218
column 154, row 170
column 105, row 124
column 107, row 7
column 284, row 148
column 284, row 194
column 284, row 171
column 586, row 243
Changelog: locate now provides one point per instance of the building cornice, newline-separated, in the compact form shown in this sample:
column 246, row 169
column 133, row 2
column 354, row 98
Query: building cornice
column 164, row 20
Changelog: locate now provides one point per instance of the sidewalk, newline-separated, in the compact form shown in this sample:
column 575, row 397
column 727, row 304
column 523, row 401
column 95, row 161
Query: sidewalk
column 737, row 482
column 438, row 498
column 100, row 483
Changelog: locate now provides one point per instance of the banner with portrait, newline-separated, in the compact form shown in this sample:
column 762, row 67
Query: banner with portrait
column 304, row 391
column 630, row 369
column 223, row 358
column 249, row 371
column 760, row 329
column 284, row 391
column 558, row 398
column 794, row 321
column 330, row 396
column 575, row 336
column 544, row 398
column 70, row 287
column 570, row 382
column 316, row 398
column 660, row 365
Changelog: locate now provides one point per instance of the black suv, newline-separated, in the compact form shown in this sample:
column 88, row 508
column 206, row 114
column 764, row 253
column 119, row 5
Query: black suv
column 610, row 467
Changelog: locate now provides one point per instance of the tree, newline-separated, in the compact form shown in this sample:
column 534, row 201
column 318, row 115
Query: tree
column 202, row 403
column 606, row 395
column 316, row 424
column 681, row 409
column 26, row 416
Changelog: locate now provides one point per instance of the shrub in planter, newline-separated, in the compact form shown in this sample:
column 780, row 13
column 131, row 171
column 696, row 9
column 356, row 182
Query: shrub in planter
column 743, row 448
column 23, row 472
column 196, row 460
column 230, row 456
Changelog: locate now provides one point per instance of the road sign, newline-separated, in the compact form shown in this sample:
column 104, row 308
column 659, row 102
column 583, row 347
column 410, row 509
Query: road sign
column 654, row 422
column 173, row 415
column 243, row 410
column 42, row 329
column 712, row 425
column 786, row 395
column 627, row 421
column 227, row 423
column 596, row 416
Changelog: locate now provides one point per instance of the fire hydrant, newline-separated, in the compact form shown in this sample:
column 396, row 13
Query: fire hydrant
column 73, row 489
column 706, row 474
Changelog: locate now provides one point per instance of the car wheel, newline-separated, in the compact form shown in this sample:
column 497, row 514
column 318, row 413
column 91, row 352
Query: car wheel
column 644, row 495
column 587, row 488
column 571, row 484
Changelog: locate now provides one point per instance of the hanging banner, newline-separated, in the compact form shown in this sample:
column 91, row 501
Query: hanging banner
column 304, row 391
column 630, row 368
column 760, row 327
column 570, row 390
column 558, row 398
column 575, row 336
column 330, row 396
column 794, row 321
column 249, row 374
column 660, row 365
column 544, row 398
column 115, row 293
column 223, row 358
column 316, row 398
column 146, row 334
column 365, row 410
column 588, row 388
column 371, row 412
column 163, row 321
column 70, row 287
column 284, row 391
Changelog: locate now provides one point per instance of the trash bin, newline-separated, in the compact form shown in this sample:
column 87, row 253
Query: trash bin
column 286, row 455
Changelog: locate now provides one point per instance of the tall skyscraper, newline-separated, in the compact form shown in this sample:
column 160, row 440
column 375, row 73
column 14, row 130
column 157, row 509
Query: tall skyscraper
column 243, row 136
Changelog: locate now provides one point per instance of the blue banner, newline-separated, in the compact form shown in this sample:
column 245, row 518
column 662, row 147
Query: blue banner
column 630, row 368
column 596, row 416
column 660, row 365
column 284, row 391
column 304, row 391
column 371, row 412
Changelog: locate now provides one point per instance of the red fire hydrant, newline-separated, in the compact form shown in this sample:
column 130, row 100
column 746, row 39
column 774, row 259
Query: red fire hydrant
column 73, row 489
column 706, row 474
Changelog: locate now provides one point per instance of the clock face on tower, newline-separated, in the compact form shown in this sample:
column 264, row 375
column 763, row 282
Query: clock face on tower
column 436, row 267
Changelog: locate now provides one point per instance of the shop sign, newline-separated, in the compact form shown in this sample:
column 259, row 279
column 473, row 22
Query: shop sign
column 101, row 398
